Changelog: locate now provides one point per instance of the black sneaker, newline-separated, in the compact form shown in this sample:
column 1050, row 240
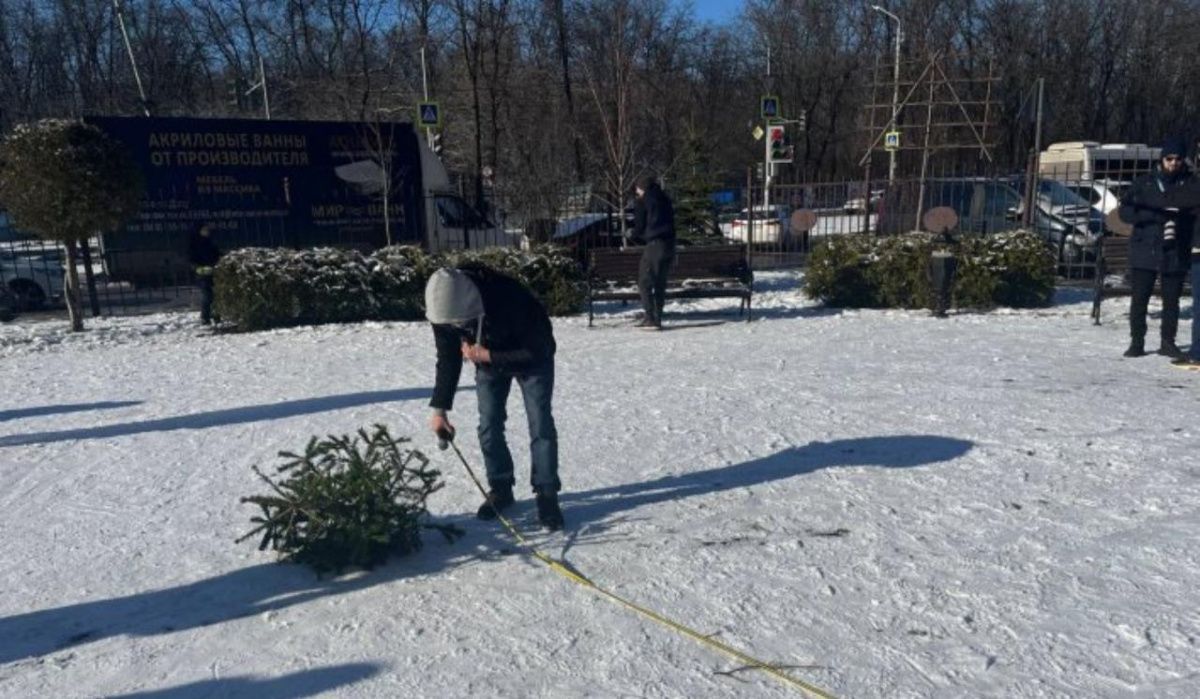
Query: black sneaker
column 1169, row 349
column 549, row 513
column 1186, row 362
column 1136, row 349
column 498, row 500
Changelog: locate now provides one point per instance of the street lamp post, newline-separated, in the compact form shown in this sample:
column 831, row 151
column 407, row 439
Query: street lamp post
column 895, row 90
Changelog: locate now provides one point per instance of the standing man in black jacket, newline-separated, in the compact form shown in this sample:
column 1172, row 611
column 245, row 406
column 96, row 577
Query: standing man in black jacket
column 204, row 254
column 494, row 322
column 654, row 225
column 1159, row 247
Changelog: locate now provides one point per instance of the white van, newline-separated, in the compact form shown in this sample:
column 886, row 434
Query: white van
column 1075, row 161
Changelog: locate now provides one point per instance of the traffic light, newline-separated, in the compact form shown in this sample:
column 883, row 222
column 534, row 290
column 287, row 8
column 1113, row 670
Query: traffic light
column 436, row 143
column 778, row 150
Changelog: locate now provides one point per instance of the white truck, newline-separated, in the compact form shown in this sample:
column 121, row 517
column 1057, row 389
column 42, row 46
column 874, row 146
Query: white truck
column 1073, row 161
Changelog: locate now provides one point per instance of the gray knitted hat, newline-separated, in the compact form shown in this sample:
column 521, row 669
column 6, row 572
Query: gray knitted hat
column 452, row 298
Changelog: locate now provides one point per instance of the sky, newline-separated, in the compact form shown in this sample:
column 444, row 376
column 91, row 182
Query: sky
column 714, row 10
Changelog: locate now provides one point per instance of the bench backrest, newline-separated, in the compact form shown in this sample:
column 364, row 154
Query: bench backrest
column 1115, row 253
column 691, row 262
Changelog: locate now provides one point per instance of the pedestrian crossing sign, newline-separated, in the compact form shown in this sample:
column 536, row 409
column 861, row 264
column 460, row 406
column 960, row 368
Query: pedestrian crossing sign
column 891, row 140
column 769, row 107
column 428, row 114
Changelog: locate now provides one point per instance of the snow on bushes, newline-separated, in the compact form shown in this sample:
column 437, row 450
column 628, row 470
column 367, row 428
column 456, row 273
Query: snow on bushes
column 260, row 288
column 1013, row 269
column 552, row 275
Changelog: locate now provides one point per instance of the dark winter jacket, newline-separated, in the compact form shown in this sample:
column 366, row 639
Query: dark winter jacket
column 202, row 251
column 516, row 330
column 1143, row 207
column 653, row 216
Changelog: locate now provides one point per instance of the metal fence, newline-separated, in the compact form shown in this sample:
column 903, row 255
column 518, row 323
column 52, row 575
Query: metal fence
column 1066, row 205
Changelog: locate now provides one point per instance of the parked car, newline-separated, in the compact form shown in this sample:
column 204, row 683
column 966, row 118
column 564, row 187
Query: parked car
column 984, row 206
column 33, row 280
column 859, row 204
column 1066, row 221
column 771, row 226
column 1103, row 195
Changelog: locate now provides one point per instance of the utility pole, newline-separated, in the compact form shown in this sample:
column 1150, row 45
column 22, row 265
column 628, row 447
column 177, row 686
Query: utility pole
column 895, row 90
column 262, row 77
column 425, row 92
column 1037, row 134
column 137, row 78
column 768, row 167
column 1031, row 185
column 262, row 83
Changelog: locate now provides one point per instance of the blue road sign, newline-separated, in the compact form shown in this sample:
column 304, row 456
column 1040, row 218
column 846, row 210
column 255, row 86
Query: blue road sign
column 769, row 106
column 428, row 114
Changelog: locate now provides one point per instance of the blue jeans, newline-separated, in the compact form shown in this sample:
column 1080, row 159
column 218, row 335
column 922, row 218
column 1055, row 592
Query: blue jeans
column 537, row 388
column 1194, row 350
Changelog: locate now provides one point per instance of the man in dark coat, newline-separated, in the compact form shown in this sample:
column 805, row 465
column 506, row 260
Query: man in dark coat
column 654, row 225
column 1160, row 245
column 494, row 322
column 204, row 254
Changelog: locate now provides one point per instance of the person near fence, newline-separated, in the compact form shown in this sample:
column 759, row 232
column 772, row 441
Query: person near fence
column 203, row 254
column 1185, row 197
column 491, row 320
column 1192, row 359
column 1159, row 246
column 654, row 226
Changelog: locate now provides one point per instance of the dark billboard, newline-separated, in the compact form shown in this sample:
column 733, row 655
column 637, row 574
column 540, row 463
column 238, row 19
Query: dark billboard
column 265, row 183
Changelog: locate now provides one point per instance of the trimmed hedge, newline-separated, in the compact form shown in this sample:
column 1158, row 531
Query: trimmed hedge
column 1013, row 269
column 262, row 288
column 554, row 276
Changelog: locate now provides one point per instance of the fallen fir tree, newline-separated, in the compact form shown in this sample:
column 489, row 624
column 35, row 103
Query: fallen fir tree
column 348, row 501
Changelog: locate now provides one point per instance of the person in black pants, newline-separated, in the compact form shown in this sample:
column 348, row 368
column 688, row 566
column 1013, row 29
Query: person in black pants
column 1159, row 247
column 204, row 254
column 654, row 225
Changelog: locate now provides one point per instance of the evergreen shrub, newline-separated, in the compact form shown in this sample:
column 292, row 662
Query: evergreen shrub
column 1013, row 269
column 261, row 288
column 347, row 502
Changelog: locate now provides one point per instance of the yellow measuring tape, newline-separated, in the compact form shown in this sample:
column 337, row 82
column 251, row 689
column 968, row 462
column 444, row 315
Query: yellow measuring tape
column 574, row 576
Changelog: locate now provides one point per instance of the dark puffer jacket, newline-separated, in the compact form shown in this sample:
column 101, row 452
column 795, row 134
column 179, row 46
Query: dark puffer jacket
column 202, row 251
column 654, row 216
column 516, row 330
column 1147, row 247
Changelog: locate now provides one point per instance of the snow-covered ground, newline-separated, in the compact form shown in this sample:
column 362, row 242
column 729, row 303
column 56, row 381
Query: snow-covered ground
column 893, row 505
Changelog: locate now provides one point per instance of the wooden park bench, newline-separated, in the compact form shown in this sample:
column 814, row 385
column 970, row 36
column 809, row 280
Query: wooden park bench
column 709, row 271
column 1112, row 260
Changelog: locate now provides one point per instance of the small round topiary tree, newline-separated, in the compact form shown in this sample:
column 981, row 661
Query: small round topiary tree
column 66, row 181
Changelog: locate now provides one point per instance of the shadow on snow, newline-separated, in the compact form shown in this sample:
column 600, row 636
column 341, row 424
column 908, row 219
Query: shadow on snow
column 19, row 413
column 221, row 418
column 306, row 683
column 901, row 451
column 266, row 587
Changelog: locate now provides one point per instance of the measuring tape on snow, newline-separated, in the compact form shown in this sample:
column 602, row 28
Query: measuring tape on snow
column 577, row 577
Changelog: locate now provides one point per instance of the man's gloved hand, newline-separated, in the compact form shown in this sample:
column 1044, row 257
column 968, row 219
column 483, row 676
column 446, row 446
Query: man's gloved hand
column 441, row 427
